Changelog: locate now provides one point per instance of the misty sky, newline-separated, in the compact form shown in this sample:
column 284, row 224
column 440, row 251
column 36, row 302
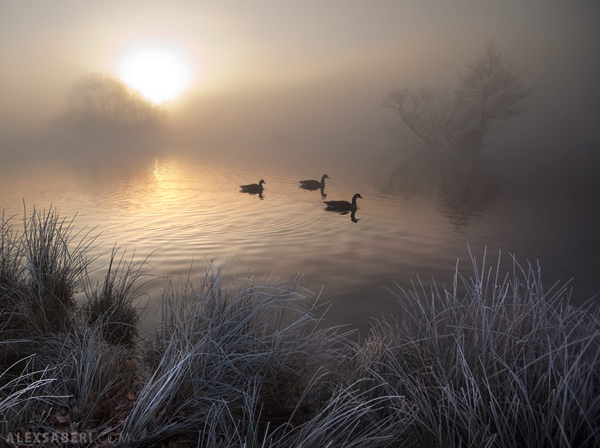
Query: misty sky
column 295, row 61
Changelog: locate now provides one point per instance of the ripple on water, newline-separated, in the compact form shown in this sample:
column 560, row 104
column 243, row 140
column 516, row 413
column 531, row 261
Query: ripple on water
column 181, row 209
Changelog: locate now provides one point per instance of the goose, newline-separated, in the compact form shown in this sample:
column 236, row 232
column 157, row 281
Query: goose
column 314, row 184
column 253, row 188
column 343, row 206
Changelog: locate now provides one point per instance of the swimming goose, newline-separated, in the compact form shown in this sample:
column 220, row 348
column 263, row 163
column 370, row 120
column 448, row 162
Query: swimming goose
column 253, row 188
column 314, row 184
column 342, row 206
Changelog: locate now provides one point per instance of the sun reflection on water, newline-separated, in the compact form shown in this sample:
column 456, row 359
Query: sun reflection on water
column 182, row 211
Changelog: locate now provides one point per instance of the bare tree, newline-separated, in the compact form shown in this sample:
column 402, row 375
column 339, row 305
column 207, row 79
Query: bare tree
column 100, row 102
column 490, row 92
column 429, row 117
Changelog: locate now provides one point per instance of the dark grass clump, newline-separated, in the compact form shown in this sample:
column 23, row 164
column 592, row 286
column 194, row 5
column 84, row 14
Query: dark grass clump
column 111, row 304
column 56, row 371
column 11, row 269
column 26, row 395
column 12, row 280
column 96, row 376
column 55, row 257
column 75, row 382
column 496, row 361
column 234, row 362
column 40, row 273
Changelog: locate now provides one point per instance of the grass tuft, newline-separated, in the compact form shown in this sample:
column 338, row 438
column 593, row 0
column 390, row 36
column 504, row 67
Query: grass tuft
column 251, row 346
column 111, row 304
column 12, row 280
column 55, row 257
column 496, row 360
column 24, row 396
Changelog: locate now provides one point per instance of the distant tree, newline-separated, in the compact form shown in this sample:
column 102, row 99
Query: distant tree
column 429, row 117
column 489, row 92
column 99, row 102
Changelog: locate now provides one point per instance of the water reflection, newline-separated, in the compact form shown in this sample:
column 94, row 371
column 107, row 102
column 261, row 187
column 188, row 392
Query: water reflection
column 176, row 208
column 322, row 190
column 352, row 213
column 465, row 186
column 468, row 189
column 260, row 194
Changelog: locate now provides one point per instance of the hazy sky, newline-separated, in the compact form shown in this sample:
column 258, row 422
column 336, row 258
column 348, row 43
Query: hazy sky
column 298, row 59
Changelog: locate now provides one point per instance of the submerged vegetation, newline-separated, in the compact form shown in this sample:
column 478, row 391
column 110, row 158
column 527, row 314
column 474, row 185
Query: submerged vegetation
column 495, row 361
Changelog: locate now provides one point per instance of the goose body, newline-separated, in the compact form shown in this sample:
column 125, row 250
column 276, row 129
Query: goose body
column 343, row 206
column 314, row 184
column 253, row 188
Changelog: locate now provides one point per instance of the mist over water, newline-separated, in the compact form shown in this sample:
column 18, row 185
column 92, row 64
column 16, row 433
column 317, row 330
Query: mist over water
column 184, row 208
column 284, row 100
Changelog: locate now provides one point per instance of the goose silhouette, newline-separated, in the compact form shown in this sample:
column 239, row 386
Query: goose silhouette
column 253, row 188
column 343, row 206
column 314, row 184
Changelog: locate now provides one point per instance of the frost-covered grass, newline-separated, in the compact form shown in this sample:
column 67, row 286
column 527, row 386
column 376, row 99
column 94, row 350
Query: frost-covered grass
column 496, row 360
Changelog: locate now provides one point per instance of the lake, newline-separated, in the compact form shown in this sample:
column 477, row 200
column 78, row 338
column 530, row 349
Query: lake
column 184, row 208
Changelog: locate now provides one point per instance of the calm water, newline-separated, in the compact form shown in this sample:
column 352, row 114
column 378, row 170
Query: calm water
column 185, row 210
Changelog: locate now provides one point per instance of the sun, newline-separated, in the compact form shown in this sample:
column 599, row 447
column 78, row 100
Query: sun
column 160, row 74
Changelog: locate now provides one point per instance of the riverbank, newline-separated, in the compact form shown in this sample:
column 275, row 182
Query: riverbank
column 497, row 360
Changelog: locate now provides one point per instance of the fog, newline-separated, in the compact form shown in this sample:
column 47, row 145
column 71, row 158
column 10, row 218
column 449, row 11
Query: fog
column 306, row 80
column 477, row 178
